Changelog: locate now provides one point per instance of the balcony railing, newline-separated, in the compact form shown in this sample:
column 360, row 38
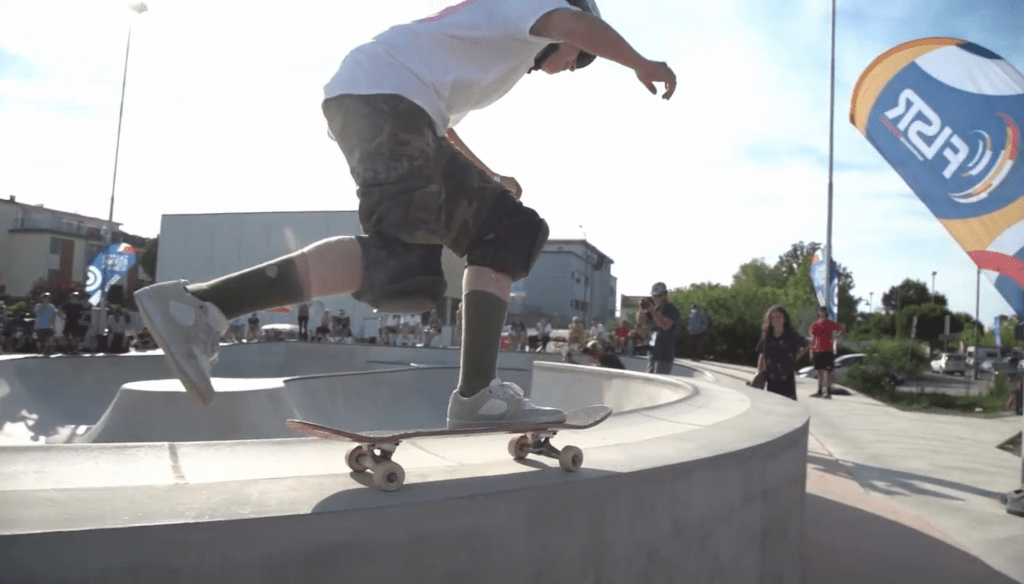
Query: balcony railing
column 59, row 225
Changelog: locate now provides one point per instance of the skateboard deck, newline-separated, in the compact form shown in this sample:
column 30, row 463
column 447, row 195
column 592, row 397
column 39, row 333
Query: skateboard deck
column 375, row 448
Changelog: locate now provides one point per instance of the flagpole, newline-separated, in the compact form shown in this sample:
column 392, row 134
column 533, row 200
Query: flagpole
column 831, row 146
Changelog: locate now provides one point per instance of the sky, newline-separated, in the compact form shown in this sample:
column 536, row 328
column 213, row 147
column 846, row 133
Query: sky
column 222, row 114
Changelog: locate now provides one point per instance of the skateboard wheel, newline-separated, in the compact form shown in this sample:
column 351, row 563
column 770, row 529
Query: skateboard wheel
column 519, row 447
column 354, row 456
column 388, row 476
column 570, row 459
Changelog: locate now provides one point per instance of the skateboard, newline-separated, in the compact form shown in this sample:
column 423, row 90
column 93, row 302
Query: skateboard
column 376, row 448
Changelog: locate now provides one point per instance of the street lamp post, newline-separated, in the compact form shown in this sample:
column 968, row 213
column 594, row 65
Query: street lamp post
column 831, row 150
column 933, row 286
column 871, row 302
column 137, row 8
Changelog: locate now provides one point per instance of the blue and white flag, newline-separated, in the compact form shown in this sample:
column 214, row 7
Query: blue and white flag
column 818, row 280
column 109, row 266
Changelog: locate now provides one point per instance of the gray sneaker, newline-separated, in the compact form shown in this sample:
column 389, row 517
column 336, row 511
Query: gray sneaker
column 187, row 329
column 500, row 404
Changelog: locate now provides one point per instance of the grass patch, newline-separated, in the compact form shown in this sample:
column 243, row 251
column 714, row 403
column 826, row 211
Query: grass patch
column 874, row 376
column 990, row 403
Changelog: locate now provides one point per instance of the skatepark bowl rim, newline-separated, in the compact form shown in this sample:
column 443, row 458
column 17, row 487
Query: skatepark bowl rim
column 729, row 465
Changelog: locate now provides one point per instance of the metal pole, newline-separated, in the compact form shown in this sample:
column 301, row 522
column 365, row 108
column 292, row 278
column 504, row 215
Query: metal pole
column 138, row 8
column 977, row 322
column 831, row 147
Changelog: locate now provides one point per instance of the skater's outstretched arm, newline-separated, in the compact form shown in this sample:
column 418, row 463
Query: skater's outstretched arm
column 591, row 34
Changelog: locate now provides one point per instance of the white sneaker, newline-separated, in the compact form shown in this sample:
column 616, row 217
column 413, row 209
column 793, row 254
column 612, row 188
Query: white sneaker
column 187, row 329
column 500, row 404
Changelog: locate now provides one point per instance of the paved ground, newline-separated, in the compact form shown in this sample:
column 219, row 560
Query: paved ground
column 895, row 496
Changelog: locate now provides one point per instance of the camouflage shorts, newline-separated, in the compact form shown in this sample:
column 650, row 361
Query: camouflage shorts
column 412, row 184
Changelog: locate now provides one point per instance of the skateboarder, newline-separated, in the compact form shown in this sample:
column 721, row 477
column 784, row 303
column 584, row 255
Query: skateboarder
column 392, row 107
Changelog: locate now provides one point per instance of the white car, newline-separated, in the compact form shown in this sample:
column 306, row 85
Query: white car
column 841, row 365
column 950, row 363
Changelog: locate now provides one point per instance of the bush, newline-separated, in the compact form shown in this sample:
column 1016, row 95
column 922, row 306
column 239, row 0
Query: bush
column 886, row 366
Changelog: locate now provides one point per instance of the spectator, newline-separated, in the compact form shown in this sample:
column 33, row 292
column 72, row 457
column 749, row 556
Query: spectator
column 518, row 335
column 304, row 321
column 236, row 330
column 637, row 340
column 621, row 336
column 597, row 331
column 390, row 325
column 574, row 341
column 341, row 326
column 698, row 328
column 45, row 313
column 4, row 328
column 597, row 353
column 74, row 332
column 145, row 341
column 457, row 332
column 824, row 332
column 544, row 332
column 253, row 332
column 780, row 348
column 664, row 319
column 324, row 330
column 117, row 326
column 433, row 327
column 412, row 328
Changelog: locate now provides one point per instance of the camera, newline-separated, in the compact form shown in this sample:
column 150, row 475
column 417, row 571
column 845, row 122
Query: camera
column 646, row 303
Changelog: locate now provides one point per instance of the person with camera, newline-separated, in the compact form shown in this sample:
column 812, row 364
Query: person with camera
column 663, row 317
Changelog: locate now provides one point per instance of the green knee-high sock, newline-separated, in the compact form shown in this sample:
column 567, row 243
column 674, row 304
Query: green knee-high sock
column 276, row 283
column 483, row 317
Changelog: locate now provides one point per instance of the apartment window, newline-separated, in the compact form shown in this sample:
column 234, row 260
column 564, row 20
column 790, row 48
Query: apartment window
column 54, row 246
column 53, row 275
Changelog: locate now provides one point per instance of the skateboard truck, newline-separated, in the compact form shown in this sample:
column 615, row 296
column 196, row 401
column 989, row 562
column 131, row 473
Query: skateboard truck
column 387, row 474
column 569, row 458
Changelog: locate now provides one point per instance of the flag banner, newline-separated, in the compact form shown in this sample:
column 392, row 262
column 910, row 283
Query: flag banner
column 818, row 280
column 946, row 115
column 109, row 266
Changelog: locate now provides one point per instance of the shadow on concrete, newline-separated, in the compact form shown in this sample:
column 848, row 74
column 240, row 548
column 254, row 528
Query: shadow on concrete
column 846, row 545
column 413, row 491
column 887, row 481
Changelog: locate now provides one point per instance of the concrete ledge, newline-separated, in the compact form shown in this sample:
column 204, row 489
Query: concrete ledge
column 688, row 482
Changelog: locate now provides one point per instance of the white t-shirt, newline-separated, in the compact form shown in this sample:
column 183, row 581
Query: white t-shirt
column 461, row 59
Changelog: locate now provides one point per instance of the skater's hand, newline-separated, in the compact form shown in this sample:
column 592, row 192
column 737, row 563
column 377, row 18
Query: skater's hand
column 512, row 185
column 652, row 72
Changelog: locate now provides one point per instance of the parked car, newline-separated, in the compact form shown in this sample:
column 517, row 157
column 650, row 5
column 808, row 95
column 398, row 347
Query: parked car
column 982, row 353
column 1004, row 365
column 950, row 363
column 840, row 367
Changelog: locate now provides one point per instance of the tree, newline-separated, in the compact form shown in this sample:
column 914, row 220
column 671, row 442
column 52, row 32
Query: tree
column 910, row 293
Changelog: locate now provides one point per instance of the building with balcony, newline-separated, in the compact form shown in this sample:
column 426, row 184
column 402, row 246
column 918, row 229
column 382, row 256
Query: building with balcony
column 40, row 244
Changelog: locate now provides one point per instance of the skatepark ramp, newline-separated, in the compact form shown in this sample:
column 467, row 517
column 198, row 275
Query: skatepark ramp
column 687, row 482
